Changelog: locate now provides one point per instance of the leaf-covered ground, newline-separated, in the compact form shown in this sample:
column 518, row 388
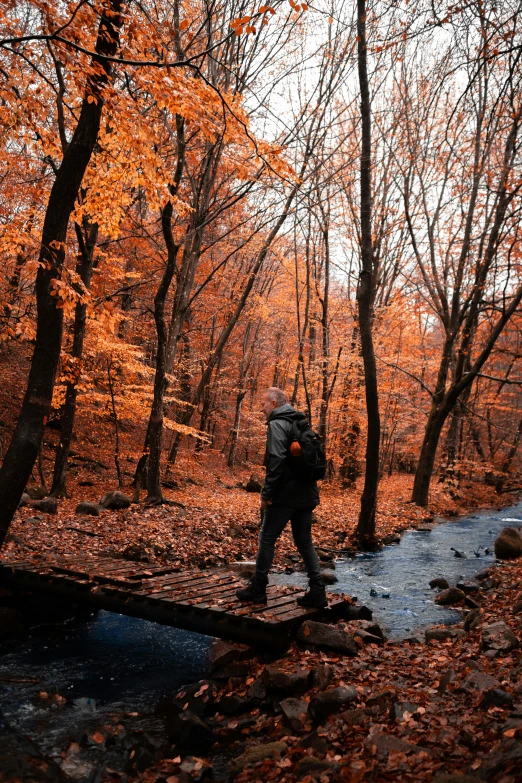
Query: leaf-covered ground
column 214, row 520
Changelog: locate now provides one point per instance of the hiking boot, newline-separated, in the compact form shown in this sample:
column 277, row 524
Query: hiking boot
column 253, row 593
column 315, row 598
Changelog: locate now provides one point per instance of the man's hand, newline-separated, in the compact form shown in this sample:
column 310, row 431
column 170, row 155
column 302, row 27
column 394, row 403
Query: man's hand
column 265, row 504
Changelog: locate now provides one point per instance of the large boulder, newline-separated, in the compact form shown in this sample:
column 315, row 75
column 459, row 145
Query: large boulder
column 190, row 733
column 327, row 637
column 499, row 638
column 24, row 500
column 508, row 545
column 382, row 744
column 115, row 500
column 450, row 597
column 440, row 583
column 293, row 681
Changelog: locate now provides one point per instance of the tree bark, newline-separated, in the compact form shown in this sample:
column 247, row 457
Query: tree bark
column 84, row 270
column 27, row 436
column 365, row 297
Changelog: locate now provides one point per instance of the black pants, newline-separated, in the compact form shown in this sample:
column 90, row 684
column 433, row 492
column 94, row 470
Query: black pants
column 274, row 522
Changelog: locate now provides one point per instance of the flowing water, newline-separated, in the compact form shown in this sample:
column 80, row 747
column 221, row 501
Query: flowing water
column 114, row 665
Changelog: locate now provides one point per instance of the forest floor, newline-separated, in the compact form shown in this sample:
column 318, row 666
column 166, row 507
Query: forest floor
column 415, row 709
column 214, row 520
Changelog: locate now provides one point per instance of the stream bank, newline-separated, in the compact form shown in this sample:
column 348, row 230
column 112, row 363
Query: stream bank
column 68, row 686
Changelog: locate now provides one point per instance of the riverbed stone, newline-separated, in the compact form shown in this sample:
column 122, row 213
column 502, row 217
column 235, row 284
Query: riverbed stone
column 46, row 506
column 468, row 587
column 329, row 577
column 327, row 637
column 382, row 700
column 508, row 545
column 86, row 507
column 450, row 597
column 401, row 708
column 235, row 704
column 440, row 583
column 352, row 612
column 292, row 681
column 244, row 568
column 295, row 712
column 255, row 754
column 499, row 637
column 190, row 733
column 37, row 492
column 324, row 704
column 115, row 500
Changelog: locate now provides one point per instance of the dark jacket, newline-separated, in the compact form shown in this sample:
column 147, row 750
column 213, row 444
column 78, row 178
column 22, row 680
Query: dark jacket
column 284, row 484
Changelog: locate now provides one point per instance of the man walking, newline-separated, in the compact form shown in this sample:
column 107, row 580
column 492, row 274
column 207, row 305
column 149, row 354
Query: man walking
column 286, row 495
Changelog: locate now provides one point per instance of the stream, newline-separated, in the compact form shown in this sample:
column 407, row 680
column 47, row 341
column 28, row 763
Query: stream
column 111, row 665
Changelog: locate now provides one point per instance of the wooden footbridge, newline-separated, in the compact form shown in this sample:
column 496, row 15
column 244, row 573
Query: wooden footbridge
column 201, row 601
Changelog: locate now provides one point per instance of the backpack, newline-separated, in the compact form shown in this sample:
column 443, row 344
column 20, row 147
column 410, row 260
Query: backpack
column 312, row 459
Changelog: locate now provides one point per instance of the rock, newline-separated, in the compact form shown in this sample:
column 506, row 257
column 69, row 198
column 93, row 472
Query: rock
column 11, row 623
column 441, row 583
column 327, row 637
column 329, row 578
column 190, row 733
column 496, row 697
column 317, row 742
column 234, row 704
column 366, row 638
column 239, row 669
column 367, row 625
column 115, row 500
column 499, row 637
column 244, row 568
column 351, row 612
column 484, row 574
column 382, row 744
column 222, row 653
column 196, row 769
column 86, row 507
column 24, row 500
column 439, row 634
column 36, row 493
column 312, row 767
column 358, row 716
column 257, row 689
column 322, row 676
column 508, row 545
column 479, row 681
column 254, row 484
column 295, row 712
column 86, row 483
column 456, row 553
column 46, row 506
column 470, row 603
column 255, row 754
column 294, row 681
column 399, row 708
column 468, row 587
column 326, row 703
column 450, row 597
column 509, row 752
column 381, row 701
column 199, row 698
column 472, row 620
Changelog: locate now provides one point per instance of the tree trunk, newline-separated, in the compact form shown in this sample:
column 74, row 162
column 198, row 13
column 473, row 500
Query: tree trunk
column 366, row 522
column 235, row 430
column 84, row 270
column 26, row 439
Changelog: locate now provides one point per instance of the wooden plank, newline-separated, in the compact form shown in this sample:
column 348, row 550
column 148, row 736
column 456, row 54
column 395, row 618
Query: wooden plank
column 193, row 578
column 200, row 589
